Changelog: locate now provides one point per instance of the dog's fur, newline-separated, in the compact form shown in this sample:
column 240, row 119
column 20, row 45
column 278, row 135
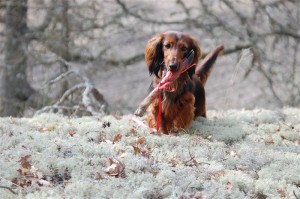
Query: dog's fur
column 166, row 52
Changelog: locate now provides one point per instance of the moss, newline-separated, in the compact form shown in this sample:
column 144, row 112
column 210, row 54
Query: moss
column 256, row 151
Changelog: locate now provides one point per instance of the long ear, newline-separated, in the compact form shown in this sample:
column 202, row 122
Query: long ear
column 154, row 54
column 196, row 47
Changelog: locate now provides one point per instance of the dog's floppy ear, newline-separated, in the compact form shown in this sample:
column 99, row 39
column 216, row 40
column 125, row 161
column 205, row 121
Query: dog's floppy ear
column 154, row 54
column 196, row 48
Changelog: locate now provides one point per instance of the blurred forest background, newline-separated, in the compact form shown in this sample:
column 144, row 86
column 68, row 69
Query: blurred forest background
column 87, row 56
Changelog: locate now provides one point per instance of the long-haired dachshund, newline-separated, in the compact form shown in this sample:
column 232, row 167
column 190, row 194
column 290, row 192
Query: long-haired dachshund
column 179, row 108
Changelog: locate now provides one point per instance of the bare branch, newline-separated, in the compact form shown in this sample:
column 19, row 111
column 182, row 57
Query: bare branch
column 154, row 21
column 11, row 189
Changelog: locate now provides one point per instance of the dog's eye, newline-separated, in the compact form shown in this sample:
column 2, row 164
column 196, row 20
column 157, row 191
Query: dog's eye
column 183, row 48
column 167, row 46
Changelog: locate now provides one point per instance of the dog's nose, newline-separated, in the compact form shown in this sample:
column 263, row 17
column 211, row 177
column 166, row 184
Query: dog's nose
column 173, row 66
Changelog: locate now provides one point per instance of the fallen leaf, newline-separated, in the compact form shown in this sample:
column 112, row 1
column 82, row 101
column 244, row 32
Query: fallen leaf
column 283, row 137
column 116, row 168
column 136, row 150
column 141, row 140
column 281, row 193
column 296, row 184
column 219, row 174
column 22, row 182
column 269, row 142
column 297, row 142
column 44, row 183
column 151, row 160
column 145, row 153
column 23, row 171
column 42, row 129
column 154, row 173
column 112, row 170
column 24, row 162
column 99, row 176
column 72, row 133
column 122, row 153
column 117, row 138
column 133, row 131
column 173, row 162
column 35, row 172
column 229, row 186
column 58, row 147
column 260, row 140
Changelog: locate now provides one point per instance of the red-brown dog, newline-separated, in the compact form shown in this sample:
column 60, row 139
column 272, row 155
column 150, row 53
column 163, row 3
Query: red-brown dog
column 179, row 108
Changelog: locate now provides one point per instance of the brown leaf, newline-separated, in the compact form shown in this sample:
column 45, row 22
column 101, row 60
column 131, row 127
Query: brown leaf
column 133, row 131
column 269, row 142
column 296, row 184
column 122, row 153
column 136, row 150
column 99, row 176
column 141, row 140
column 58, row 147
column 259, row 139
column 112, row 170
column 24, row 161
column 23, row 171
column 145, row 154
column 283, row 137
column 297, row 142
column 116, row 168
column 174, row 161
column 117, row 138
column 154, row 173
column 35, row 173
column 229, row 186
column 42, row 129
column 72, row 133
column 281, row 193
column 22, row 182
column 151, row 160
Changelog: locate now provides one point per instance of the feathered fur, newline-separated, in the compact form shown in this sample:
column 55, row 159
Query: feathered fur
column 166, row 52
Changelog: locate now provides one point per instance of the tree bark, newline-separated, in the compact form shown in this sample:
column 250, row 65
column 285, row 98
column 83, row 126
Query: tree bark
column 14, row 88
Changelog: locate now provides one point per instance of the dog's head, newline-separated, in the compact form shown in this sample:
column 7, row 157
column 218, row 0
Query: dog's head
column 167, row 50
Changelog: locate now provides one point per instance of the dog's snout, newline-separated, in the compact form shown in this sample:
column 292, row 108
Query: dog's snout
column 173, row 66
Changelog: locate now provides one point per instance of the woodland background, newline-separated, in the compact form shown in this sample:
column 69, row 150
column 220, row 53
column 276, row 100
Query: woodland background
column 65, row 58
column 100, row 44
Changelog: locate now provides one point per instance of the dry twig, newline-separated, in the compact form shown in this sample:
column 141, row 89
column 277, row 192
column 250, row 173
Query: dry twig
column 89, row 95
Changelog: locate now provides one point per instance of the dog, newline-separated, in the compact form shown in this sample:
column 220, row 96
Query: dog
column 165, row 52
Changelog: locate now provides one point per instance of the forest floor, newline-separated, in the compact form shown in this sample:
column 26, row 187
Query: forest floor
column 232, row 154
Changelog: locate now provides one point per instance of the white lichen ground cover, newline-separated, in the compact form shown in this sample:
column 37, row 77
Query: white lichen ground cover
column 232, row 154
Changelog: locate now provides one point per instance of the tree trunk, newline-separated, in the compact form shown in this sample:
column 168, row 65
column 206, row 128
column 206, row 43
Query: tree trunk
column 15, row 89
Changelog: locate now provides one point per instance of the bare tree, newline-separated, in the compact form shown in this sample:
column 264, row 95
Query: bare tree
column 15, row 89
column 270, row 29
column 41, row 36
